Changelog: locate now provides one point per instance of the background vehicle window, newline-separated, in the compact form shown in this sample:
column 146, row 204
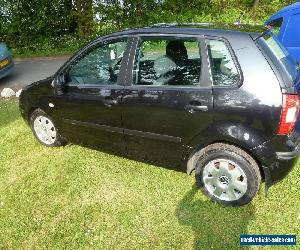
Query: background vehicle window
column 167, row 62
column 276, row 25
column 100, row 66
column 224, row 70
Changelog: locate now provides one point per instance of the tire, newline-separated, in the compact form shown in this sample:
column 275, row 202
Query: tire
column 227, row 174
column 44, row 129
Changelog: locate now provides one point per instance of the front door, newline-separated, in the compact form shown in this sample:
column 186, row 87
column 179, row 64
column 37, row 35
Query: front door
column 169, row 97
column 89, row 111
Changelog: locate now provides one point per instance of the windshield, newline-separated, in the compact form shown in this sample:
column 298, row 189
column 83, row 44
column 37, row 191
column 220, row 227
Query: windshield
column 280, row 57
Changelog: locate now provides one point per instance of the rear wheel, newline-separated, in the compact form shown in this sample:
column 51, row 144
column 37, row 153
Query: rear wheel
column 44, row 129
column 227, row 174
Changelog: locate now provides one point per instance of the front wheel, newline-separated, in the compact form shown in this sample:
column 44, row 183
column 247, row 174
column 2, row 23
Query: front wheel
column 44, row 129
column 227, row 174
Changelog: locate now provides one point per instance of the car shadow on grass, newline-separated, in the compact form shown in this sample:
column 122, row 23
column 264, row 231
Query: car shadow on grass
column 215, row 226
column 123, row 154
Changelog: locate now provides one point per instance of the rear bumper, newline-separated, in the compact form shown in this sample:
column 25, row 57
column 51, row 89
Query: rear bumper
column 276, row 163
column 287, row 156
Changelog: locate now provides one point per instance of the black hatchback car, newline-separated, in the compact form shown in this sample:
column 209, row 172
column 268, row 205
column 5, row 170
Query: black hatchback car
column 220, row 100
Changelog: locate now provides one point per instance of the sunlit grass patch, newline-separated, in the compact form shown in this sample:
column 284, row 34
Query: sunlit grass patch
column 75, row 197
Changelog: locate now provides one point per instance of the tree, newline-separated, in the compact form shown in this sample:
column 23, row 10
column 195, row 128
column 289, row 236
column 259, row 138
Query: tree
column 37, row 22
column 84, row 17
column 255, row 3
column 254, row 6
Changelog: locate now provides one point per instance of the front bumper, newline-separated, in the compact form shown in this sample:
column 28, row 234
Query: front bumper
column 22, row 106
column 7, row 69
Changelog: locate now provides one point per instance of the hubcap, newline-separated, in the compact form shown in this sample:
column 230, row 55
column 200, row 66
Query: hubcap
column 44, row 130
column 225, row 180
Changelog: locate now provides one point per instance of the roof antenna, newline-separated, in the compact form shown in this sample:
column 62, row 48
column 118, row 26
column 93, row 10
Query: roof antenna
column 239, row 21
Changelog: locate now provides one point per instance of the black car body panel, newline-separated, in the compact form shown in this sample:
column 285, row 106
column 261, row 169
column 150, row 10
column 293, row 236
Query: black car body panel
column 161, row 123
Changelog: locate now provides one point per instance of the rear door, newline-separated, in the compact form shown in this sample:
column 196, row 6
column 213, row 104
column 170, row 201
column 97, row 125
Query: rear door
column 168, row 97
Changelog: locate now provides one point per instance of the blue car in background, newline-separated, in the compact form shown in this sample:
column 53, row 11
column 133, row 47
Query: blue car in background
column 6, row 61
column 285, row 25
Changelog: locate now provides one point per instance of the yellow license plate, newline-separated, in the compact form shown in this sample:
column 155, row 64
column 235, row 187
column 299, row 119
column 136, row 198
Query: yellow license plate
column 3, row 63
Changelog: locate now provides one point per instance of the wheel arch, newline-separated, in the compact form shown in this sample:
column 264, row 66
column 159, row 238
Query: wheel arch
column 192, row 158
column 228, row 132
column 30, row 111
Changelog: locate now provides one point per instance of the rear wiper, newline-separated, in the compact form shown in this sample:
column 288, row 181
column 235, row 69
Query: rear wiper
column 266, row 32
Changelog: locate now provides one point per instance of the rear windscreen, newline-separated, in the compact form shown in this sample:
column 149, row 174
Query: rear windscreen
column 280, row 57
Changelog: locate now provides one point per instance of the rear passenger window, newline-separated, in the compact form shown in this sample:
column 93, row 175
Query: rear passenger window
column 167, row 61
column 224, row 70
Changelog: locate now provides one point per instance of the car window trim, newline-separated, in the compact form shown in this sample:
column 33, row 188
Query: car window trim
column 204, row 60
column 90, row 86
column 234, row 58
column 166, row 87
column 91, row 46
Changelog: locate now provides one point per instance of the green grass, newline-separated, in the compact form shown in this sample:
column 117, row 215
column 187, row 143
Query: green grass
column 73, row 197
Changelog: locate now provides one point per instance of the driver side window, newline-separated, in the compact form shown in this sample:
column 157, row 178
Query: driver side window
column 101, row 65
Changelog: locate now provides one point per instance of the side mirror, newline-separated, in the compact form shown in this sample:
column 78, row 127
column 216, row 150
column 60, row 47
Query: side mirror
column 59, row 82
column 298, row 65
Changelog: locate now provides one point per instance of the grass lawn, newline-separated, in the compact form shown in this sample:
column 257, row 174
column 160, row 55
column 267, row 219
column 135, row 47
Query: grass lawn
column 73, row 197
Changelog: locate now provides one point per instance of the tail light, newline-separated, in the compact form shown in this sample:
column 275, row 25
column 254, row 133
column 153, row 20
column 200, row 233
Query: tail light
column 289, row 113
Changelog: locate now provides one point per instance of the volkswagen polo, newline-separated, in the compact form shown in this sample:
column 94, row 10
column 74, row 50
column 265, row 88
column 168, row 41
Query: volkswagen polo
column 220, row 100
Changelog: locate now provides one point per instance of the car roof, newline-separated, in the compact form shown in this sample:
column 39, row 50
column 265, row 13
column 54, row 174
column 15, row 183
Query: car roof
column 292, row 9
column 213, row 29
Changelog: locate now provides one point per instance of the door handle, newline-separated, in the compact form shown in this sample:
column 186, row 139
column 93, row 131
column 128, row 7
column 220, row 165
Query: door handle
column 193, row 108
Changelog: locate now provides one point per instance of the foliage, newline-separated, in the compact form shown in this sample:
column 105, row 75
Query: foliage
column 79, row 198
column 48, row 46
column 42, row 26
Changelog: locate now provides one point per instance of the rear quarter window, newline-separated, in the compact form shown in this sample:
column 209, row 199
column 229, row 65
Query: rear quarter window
column 223, row 68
